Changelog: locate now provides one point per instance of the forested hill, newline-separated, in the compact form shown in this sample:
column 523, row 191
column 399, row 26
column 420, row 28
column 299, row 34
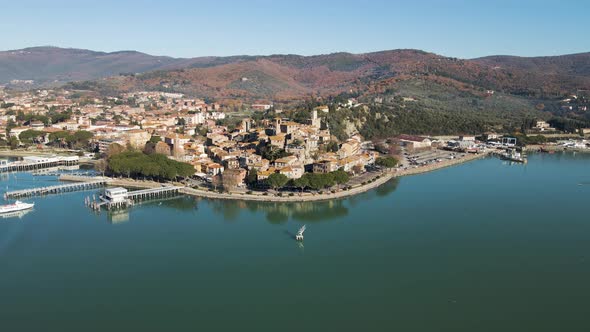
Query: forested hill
column 284, row 77
column 548, row 74
column 53, row 65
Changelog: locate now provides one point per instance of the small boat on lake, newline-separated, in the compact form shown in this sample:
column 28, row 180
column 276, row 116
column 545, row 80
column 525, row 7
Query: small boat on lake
column 299, row 235
column 16, row 206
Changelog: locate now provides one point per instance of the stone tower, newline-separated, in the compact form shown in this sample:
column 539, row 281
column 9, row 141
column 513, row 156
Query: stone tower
column 315, row 121
column 177, row 148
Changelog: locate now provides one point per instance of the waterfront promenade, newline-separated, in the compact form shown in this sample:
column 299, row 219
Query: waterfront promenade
column 555, row 148
column 361, row 184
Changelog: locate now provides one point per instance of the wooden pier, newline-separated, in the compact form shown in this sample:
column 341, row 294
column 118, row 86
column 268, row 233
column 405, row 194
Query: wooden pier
column 115, row 198
column 35, row 163
column 153, row 193
column 62, row 188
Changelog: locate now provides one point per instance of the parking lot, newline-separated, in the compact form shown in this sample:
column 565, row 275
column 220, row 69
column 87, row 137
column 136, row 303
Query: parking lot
column 430, row 157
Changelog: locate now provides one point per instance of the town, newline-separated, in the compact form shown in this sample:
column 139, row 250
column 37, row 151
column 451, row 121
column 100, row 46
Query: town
column 251, row 152
column 169, row 137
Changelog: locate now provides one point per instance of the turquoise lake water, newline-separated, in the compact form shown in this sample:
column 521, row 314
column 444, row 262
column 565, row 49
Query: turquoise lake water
column 484, row 246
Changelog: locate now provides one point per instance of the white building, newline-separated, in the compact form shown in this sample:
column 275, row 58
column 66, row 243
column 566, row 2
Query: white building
column 116, row 195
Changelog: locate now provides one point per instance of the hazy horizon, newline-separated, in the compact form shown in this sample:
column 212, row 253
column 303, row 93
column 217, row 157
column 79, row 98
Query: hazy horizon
column 271, row 54
column 178, row 28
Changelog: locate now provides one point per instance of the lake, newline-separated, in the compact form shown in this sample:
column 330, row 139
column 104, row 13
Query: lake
column 483, row 246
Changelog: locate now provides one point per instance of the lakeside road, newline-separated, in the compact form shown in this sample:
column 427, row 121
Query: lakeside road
column 554, row 148
column 372, row 180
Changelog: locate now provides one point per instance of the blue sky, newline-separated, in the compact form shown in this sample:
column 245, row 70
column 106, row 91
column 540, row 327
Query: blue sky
column 181, row 28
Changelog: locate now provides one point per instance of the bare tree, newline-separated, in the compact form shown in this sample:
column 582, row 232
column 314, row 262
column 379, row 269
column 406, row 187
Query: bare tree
column 230, row 180
column 114, row 149
column 101, row 166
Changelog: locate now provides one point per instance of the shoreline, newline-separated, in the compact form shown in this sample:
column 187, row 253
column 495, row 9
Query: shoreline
column 379, row 179
column 554, row 148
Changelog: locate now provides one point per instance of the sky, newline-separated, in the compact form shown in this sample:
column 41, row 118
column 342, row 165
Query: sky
column 181, row 28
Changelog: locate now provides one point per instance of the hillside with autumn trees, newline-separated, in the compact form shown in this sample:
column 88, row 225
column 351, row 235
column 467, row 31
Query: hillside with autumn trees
column 288, row 77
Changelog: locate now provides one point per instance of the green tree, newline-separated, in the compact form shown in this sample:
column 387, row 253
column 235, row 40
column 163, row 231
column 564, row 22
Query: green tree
column 157, row 166
column 79, row 139
column 13, row 142
column 29, row 136
column 277, row 180
column 332, row 146
column 301, row 183
column 315, row 180
column 340, row 177
column 252, row 177
column 388, row 162
column 11, row 124
column 272, row 153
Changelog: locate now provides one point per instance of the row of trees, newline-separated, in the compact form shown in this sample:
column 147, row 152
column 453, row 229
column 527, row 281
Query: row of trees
column 155, row 166
column 569, row 125
column 314, row 181
column 53, row 116
column 63, row 139
column 75, row 140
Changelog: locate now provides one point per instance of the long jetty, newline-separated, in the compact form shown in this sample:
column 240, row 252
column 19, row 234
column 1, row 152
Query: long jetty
column 121, row 198
column 56, row 189
column 36, row 163
column 153, row 192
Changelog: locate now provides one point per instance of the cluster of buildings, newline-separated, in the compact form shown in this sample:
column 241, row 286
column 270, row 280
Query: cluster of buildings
column 190, row 130
column 129, row 119
column 304, row 145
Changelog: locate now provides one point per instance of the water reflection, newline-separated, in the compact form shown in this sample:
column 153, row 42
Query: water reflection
column 273, row 212
column 382, row 191
column 279, row 213
column 15, row 214
column 118, row 216
column 177, row 203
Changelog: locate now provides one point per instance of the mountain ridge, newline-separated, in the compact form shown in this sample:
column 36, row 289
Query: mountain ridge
column 289, row 76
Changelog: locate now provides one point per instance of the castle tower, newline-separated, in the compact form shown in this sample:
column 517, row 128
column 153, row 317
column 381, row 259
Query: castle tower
column 277, row 126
